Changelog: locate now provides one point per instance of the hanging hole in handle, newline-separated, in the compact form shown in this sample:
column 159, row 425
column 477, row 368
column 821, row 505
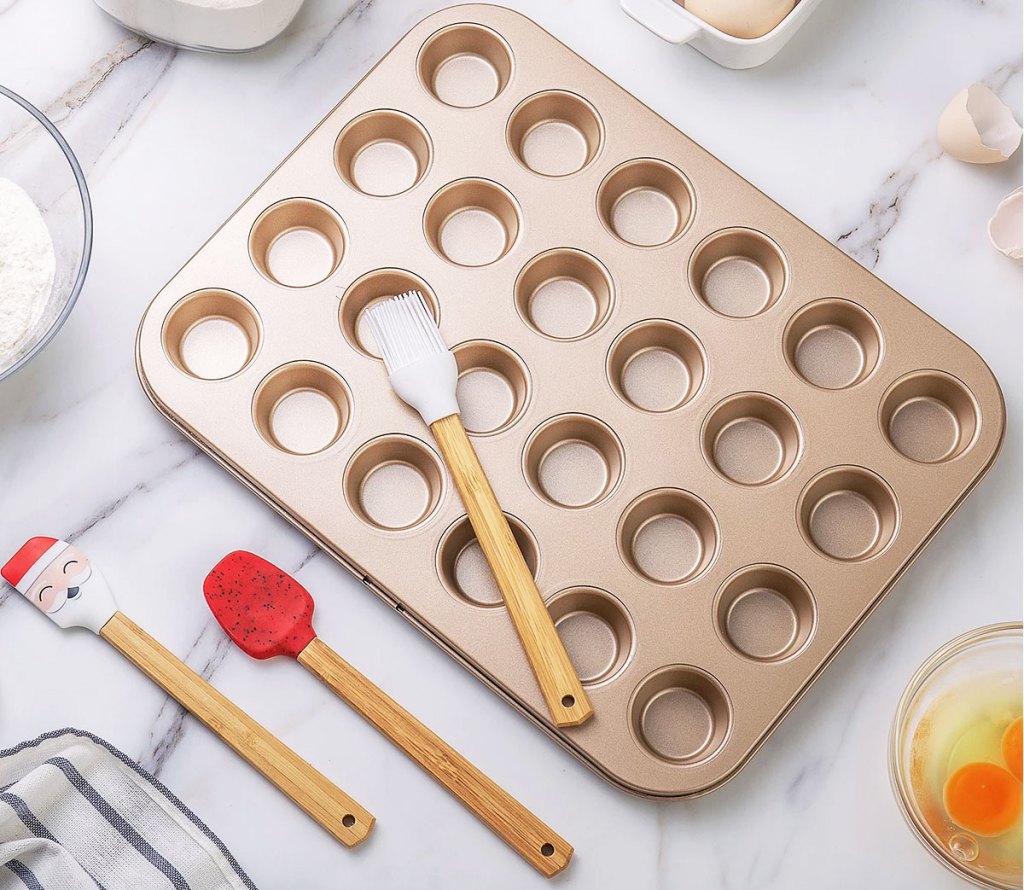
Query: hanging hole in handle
column 568, row 701
column 348, row 820
column 548, row 849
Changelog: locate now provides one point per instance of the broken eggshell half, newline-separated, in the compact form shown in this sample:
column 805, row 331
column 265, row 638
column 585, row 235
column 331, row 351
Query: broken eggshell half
column 1005, row 227
column 978, row 127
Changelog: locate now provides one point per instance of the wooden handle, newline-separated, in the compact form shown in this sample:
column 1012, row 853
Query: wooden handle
column 311, row 790
column 561, row 687
column 506, row 817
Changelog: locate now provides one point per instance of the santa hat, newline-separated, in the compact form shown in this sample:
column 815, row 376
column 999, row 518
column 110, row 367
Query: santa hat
column 28, row 563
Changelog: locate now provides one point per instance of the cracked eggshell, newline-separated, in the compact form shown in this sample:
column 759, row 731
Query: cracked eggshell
column 978, row 127
column 741, row 18
column 1007, row 224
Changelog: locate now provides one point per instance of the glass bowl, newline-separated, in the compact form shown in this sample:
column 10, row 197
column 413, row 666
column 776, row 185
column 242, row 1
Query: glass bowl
column 35, row 156
column 950, row 674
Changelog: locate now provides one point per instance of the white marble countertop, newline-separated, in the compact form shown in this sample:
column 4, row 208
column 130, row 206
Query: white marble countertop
column 839, row 129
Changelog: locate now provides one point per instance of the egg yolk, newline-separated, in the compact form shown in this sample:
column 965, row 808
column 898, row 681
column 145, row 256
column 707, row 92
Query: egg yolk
column 1012, row 748
column 982, row 798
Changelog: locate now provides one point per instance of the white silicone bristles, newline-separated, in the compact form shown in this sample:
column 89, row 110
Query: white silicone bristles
column 405, row 330
column 421, row 369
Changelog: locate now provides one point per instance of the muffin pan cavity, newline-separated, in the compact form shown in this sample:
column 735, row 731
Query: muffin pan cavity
column 463, row 569
column 668, row 536
column 738, row 273
column 465, row 65
column 555, row 133
column 646, row 203
column 929, row 417
column 596, row 630
column 302, row 408
column 680, row 714
column 656, row 366
column 372, row 288
column 719, row 439
column 765, row 613
column 833, row 344
column 211, row 334
column 751, row 439
column 848, row 513
column 564, row 294
column 297, row 243
column 394, row 483
column 573, row 461
column 382, row 153
column 493, row 387
column 472, row 222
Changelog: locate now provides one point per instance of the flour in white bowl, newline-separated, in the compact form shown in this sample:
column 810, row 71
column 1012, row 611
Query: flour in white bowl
column 27, row 265
column 226, row 25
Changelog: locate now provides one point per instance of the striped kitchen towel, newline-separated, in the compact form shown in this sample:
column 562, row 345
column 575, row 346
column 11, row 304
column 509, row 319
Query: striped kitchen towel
column 77, row 814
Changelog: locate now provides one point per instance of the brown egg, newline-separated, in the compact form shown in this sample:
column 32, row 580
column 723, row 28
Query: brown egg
column 741, row 18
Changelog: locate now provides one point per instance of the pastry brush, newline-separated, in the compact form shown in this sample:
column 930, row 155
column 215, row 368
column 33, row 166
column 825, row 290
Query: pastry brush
column 424, row 374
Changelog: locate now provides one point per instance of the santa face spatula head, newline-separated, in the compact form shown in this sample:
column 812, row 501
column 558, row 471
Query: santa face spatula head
column 263, row 609
column 61, row 581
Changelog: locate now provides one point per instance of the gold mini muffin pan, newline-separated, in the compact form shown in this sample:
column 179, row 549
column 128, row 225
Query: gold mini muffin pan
column 718, row 439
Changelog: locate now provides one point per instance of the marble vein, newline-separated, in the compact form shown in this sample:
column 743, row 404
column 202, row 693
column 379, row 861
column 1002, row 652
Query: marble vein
column 864, row 241
column 353, row 14
column 142, row 487
column 147, row 61
column 168, row 728
column 205, row 656
column 61, row 108
column 307, row 559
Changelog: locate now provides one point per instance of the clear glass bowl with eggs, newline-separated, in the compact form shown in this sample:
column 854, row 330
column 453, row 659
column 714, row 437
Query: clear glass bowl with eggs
column 955, row 755
column 37, row 158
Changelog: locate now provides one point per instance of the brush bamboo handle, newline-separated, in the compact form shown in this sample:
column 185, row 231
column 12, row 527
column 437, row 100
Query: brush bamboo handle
column 502, row 813
column 561, row 687
column 311, row 790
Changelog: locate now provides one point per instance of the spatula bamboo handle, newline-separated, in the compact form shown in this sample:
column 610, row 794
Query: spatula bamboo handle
column 561, row 687
column 506, row 817
column 311, row 790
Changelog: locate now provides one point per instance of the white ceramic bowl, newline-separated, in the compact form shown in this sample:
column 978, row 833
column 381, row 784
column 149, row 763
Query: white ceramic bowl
column 673, row 23
column 205, row 25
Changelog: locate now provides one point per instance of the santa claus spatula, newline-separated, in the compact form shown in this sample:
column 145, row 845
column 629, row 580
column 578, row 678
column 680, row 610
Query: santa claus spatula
column 267, row 613
column 60, row 580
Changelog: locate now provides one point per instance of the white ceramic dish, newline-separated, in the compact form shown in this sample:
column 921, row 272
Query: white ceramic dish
column 671, row 22
column 209, row 25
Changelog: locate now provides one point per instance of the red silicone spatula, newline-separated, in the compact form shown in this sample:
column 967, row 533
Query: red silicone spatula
column 267, row 613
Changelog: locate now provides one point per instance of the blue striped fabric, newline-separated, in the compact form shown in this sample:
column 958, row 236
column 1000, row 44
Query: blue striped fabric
column 77, row 814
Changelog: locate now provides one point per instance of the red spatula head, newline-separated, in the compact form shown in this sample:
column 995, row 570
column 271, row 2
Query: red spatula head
column 264, row 610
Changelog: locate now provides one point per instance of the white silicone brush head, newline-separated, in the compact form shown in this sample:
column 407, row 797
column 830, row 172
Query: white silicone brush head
column 421, row 369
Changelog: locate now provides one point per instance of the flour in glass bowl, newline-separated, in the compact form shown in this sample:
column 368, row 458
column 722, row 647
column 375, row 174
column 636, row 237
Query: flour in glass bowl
column 27, row 266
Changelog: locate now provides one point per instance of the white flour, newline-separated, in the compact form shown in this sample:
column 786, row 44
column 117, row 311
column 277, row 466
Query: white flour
column 27, row 265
